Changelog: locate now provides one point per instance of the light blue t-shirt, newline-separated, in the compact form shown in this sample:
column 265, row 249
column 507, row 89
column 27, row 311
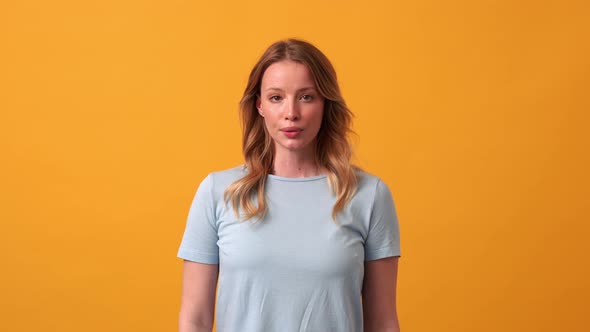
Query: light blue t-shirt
column 296, row 269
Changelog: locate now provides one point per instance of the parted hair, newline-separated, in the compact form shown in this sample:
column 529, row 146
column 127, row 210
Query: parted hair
column 333, row 149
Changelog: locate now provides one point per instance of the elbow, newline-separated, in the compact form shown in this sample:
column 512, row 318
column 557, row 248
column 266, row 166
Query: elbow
column 194, row 324
column 390, row 326
column 190, row 326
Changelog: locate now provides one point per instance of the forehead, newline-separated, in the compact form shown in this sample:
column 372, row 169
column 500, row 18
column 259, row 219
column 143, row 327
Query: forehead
column 287, row 74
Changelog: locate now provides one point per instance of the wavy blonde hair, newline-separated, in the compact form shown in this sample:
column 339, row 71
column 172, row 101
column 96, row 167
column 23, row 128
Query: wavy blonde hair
column 333, row 151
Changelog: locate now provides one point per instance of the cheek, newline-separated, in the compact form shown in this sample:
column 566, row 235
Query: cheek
column 318, row 117
column 268, row 119
column 266, row 124
column 270, row 125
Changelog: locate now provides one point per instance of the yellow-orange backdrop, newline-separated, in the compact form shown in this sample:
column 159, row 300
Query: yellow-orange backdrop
column 473, row 112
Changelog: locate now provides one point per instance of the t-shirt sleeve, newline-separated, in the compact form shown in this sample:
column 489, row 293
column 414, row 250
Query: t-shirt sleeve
column 199, row 242
column 383, row 236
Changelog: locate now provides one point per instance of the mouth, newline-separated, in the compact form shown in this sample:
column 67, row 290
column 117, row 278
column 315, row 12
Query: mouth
column 291, row 132
column 291, row 129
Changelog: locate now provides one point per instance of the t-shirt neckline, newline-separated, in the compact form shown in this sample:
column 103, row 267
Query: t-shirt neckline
column 305, row 179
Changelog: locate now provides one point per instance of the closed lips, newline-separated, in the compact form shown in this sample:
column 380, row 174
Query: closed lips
column 291, row 129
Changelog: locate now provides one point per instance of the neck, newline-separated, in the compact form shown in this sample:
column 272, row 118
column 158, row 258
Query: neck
column 295, row 164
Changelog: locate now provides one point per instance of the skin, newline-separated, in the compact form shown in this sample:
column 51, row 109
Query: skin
column 199, row 282
column 289, row 98
column 379, row 295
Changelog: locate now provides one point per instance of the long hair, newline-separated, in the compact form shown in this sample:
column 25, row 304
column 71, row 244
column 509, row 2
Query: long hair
column 333, row 151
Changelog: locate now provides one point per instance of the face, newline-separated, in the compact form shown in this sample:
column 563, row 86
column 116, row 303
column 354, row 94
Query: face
column 291, row 106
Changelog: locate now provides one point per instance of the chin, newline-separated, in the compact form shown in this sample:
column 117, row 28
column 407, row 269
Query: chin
column 295, row 147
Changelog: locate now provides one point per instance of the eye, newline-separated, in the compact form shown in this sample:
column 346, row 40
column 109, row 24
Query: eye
column 275, row 98
column 306, row 97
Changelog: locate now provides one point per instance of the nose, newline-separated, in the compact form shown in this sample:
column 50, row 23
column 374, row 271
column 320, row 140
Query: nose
column 292, row 113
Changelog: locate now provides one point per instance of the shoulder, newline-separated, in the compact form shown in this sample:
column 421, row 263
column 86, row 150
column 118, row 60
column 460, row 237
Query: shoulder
column 368, row 181
column 218, row 180
column 366, row 178
column 229, row 174
column 371, row 187
column 212, row 187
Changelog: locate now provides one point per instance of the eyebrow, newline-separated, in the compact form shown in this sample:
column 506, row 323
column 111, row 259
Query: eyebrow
column 299, row 90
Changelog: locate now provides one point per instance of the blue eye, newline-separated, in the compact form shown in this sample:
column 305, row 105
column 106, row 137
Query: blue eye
column 307, row 97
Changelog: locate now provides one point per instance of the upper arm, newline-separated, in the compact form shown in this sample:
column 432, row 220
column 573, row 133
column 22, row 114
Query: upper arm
column 201, row 257
column 199, row 241
column 382, row 252
column 199, row 282
column 379, row 295
column 383, row 238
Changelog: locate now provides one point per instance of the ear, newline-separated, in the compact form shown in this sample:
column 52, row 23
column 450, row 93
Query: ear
column 259, row 105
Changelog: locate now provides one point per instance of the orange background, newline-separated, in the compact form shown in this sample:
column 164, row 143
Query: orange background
column 473, row 112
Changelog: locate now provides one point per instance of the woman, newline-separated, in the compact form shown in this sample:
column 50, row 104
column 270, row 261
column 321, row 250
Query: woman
column 297, row 236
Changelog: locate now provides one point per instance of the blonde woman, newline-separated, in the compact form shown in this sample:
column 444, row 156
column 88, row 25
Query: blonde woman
column 297, row 238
